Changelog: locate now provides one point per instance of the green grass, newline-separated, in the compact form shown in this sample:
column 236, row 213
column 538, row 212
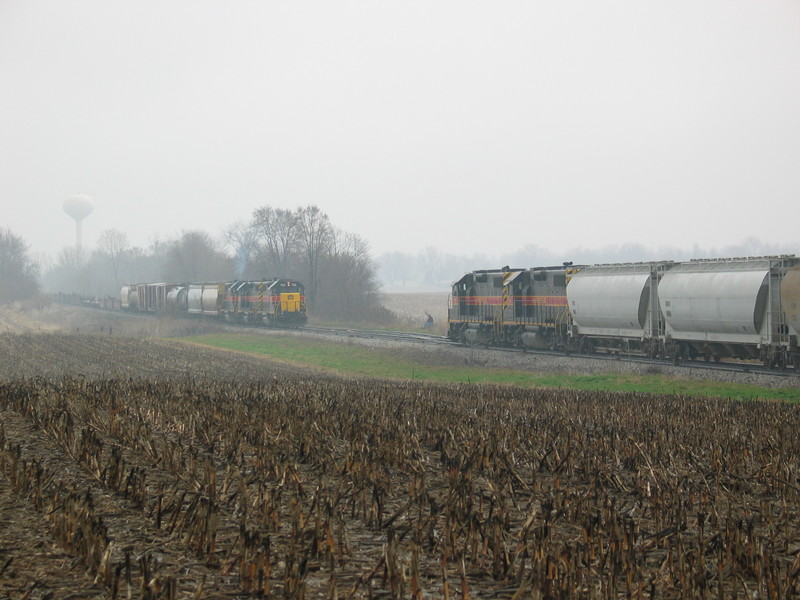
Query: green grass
column 357, row 360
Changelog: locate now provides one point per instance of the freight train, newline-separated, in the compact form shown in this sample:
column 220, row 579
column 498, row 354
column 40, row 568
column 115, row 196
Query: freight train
column 741, row 308
column 271, row 303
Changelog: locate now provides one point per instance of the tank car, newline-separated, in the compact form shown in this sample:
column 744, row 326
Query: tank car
column 206, row 299
column 129, row 298
column 178, row 300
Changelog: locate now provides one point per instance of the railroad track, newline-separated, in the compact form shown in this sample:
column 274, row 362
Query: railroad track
column 399, row 336
column 430, row 339
column 405, row 336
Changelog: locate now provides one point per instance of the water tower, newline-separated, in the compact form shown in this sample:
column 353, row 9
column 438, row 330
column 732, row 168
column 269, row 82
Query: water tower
column 78, row 206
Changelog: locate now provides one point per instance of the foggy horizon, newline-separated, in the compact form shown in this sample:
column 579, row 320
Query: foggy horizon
column 474, row 129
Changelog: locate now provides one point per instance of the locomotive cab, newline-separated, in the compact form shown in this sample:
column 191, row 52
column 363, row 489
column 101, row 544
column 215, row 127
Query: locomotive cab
column 289, row 303
column 517, row 307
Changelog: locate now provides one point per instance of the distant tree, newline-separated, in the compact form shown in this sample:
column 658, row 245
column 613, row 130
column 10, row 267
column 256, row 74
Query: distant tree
column 71, row 273
column 277, row 231
column 242, row 239
column 315, row 237
column 195, row 256
column 335, row 266
column 19, row 277
column 142, row 266
column 396, row 268
column 112, row 246
column 348, row 282
column 434, row 261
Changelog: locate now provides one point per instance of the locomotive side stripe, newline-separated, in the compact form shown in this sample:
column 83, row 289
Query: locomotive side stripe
column 256, row 298
column 525, row 300
column 518, row 321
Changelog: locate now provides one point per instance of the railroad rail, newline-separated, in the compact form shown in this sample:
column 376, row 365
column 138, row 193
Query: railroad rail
column 430, row 339
column 422, row 338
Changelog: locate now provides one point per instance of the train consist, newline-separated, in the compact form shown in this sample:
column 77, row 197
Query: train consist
column 272, row 303
column 744, row 308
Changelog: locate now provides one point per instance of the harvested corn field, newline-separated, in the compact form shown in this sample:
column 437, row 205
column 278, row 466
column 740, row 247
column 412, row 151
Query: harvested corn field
column 165, row 471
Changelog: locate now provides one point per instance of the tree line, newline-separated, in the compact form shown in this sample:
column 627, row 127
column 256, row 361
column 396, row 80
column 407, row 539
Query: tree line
column 432, row 269
column 335, row 266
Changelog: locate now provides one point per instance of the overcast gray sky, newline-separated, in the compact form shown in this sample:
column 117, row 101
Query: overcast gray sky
column 470, row 126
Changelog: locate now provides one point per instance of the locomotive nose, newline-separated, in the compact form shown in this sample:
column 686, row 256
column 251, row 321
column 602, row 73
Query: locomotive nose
column 290, row 302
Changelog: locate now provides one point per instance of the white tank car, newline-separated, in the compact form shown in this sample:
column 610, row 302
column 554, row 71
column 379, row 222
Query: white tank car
column 205, row 298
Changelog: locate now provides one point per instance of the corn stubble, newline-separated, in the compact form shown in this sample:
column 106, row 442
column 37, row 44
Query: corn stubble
column 299, row 487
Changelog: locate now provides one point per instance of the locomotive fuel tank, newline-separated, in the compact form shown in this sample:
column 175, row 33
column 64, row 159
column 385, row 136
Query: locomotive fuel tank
column 477, row 335
column 535, row 339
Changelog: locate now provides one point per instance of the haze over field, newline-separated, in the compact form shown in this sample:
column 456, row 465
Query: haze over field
column 465, row 126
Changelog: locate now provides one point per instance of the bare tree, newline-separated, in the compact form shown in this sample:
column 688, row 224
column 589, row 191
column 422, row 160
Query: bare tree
column 18, row 273
column 277, row 230
column 242, row 238
column 113, row 245
column 195, row 257
column 72, row 272
column 432, row 260
column 315, row 237
column 348, row 278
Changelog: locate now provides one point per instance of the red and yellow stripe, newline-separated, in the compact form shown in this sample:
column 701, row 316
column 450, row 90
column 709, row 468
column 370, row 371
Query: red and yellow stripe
column 498, row 300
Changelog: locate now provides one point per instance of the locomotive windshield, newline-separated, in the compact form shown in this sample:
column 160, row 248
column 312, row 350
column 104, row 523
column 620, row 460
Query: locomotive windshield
column 289, row 286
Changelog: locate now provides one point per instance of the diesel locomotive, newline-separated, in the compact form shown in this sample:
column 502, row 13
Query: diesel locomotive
column 270, row 303
column 742, row 308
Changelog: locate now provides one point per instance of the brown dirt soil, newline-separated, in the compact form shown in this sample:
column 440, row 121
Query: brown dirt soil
column 30, row 562
column 103, row 356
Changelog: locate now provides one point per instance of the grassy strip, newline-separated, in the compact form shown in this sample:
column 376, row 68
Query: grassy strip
column 357, row 360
